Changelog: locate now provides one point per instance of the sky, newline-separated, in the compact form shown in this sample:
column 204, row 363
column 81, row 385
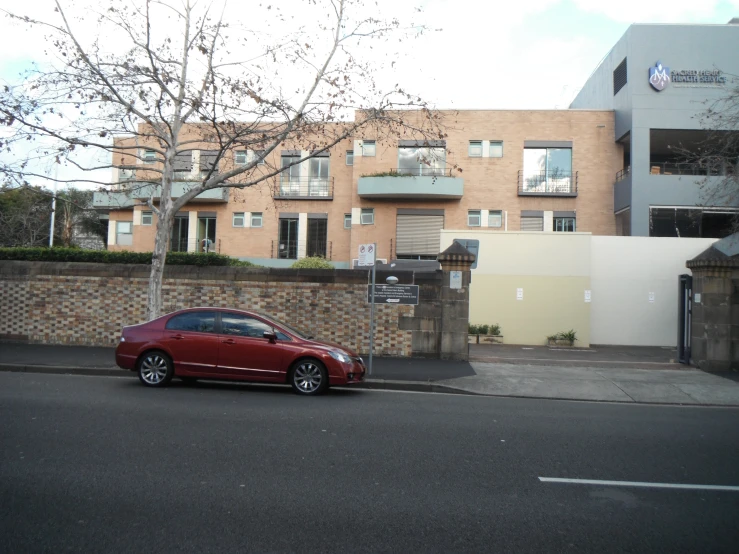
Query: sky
column 492, row 54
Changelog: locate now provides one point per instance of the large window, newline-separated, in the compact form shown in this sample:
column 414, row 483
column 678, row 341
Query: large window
column 318, row 183
column 421, row 160
column 124, row 233
column 564, row 224
column 692, row 222
column 290, row 178
column 547, row 170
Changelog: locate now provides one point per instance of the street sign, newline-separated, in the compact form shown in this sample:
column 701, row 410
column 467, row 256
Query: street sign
column 394, row 294
column 366, row 255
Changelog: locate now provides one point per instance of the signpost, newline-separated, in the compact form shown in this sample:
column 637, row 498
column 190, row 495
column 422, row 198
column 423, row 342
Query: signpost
column 366, row 258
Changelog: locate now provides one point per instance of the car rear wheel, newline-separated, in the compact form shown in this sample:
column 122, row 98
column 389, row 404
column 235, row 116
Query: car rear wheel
column 309, row 377
column 155, row 369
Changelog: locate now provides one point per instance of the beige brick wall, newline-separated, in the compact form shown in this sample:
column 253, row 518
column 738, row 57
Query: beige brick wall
column 489, row 183
column 89, row 304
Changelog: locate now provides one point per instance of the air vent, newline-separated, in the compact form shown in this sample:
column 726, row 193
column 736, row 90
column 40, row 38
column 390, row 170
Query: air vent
column 619, row 77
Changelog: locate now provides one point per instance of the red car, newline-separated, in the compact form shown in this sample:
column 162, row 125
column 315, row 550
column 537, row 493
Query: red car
column 219, row 343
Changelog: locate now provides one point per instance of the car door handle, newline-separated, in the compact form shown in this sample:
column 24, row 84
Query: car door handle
column 177, row 337
column 228, row 341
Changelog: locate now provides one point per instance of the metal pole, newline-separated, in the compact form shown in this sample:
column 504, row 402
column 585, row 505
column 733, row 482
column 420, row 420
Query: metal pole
column 372, row 313
column 53, row 213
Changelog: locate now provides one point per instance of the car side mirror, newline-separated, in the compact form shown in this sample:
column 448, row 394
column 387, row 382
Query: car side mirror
column 271, row 336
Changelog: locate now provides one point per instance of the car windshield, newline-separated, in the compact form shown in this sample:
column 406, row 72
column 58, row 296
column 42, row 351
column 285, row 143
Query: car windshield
column 290, row 328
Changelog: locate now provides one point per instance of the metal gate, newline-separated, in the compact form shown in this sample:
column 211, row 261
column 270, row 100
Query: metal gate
column 685, row 318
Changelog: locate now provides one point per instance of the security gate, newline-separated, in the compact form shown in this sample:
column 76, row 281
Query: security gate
column 685, row 318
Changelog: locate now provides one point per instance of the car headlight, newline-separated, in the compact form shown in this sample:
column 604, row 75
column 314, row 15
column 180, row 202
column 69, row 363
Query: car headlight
column 340, row 356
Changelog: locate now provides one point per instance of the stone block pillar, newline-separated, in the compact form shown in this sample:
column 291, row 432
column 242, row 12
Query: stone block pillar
column 456, row 262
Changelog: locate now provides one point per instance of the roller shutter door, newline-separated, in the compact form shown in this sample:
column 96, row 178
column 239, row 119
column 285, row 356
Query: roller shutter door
column 419, row 234
column 532, row 223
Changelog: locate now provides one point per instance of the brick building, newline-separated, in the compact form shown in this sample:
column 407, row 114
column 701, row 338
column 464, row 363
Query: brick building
column 548, row 170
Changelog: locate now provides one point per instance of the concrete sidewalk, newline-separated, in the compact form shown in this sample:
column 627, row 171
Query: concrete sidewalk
column 610, row 374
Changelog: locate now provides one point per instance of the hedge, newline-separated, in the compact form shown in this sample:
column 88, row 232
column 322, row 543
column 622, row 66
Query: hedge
column 312, row 262
column 123, row 257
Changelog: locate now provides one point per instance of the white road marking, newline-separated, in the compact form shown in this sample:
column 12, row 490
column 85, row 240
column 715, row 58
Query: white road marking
column 640, row 484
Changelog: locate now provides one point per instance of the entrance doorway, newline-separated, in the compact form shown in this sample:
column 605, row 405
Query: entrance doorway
column 317, row 235
column 288, row 239
column 206, row 230
column 178, row 238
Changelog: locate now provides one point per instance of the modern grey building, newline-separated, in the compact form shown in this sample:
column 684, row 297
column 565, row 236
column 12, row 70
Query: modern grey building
column 660, row 80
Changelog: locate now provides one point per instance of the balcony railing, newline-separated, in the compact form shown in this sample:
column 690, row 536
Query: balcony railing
column 690, row 168
column 193, row 245
column 622, row 174
column 421, row 171
column 289, row 249
column 547, row 183
column 304, row 188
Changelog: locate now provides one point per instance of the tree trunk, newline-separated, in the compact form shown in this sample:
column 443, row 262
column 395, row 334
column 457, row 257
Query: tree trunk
column 158, row 259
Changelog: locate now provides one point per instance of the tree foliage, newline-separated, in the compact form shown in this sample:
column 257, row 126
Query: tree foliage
column 162, row 78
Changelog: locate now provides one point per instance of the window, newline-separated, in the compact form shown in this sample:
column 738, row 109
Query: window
column 208, row 162
column 290, row 177
column 150, row 156
column 368, row 216
column 347, row 221
column 198, row 322
column 421, row 160
column 238, row 219
column 495, row 218
column 564, row 224
column 124, row 235
column 532, row 223
column 369, row 148
column 496, row 149
column 243, row 326
column 256, row 219
column 350, row 157
column 547, row 170
column 240, row 157
column 146, row 218
column 473, row 218
column 259, row 154
column 318, row 184
column 475, row 149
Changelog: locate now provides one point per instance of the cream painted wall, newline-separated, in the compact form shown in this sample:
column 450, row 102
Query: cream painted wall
column 624, row 271
column 555, row 270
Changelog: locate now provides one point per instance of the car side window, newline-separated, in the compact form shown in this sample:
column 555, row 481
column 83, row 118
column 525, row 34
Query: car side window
column 243, row 326
column 199, row 322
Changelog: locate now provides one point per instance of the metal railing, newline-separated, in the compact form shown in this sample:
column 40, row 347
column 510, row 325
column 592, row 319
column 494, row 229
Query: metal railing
column 547, row 183
column 421, row 171
column 622, row 174
column 291, row 249
column 690, row 168
column 309, row 188
column 193, row 245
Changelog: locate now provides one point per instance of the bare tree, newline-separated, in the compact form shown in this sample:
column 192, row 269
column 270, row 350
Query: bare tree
column 164, row 77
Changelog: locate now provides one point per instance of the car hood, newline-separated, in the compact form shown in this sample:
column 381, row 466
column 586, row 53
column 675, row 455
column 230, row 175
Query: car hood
column 332, row 346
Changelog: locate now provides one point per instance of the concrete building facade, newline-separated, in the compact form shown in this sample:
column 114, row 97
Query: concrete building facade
column 660, row 80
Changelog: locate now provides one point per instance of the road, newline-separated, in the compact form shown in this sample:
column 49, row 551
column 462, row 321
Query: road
column 100, row 464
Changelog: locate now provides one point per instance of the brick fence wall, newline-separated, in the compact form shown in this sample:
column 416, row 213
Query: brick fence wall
column 76, row 303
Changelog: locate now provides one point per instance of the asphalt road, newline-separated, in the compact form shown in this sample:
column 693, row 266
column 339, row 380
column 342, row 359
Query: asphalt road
column 96, row 464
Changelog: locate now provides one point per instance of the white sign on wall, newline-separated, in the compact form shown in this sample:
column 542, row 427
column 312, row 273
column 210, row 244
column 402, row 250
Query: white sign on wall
column 455, row 279
column 587, row 296
column 366, row 255
column 519, row 294
column 651, row 298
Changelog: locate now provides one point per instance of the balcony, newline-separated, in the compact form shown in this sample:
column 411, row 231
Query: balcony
column 304, row 188
column 547, row 183
column 128, row 197
column 418, row 183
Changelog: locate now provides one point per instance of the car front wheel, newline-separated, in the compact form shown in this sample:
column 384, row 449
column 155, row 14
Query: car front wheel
column 155, row 369
column 309, row 377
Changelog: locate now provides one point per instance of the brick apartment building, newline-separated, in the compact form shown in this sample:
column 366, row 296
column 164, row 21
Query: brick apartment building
column 548, row 170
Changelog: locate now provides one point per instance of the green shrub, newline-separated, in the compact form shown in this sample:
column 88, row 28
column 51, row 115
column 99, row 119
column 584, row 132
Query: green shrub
column 312, row 262
column 495, row 330
column 483, row 329
column 570, row 336
column 473, row 329
column 122, row 257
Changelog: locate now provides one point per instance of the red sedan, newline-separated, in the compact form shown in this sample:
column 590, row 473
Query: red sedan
column 218, row 343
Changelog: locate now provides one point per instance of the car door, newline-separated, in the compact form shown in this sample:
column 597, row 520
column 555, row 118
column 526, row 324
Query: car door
column 243, row 351
column 191, row 339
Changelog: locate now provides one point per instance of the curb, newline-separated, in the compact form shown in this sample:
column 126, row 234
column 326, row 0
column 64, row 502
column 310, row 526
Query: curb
column 66, row 370
column 607, row 364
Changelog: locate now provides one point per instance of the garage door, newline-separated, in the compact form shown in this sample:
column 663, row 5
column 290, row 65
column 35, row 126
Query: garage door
column 419, row 234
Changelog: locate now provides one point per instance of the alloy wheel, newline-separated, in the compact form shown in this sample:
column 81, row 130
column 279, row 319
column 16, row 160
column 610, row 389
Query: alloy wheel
column 308, row 377
column 153, row 369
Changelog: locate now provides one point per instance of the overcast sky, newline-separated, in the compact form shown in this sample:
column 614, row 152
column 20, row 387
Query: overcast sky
column 492, row 54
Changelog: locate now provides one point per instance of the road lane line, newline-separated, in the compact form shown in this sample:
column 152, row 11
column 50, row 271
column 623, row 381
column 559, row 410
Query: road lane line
column 640, row 484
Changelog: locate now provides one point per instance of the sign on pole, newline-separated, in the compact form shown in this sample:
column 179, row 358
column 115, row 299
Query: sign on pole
column 394, row 294
column 366, row 255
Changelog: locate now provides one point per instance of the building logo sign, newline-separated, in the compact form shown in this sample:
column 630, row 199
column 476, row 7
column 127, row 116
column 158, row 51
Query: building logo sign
column 659, row 76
